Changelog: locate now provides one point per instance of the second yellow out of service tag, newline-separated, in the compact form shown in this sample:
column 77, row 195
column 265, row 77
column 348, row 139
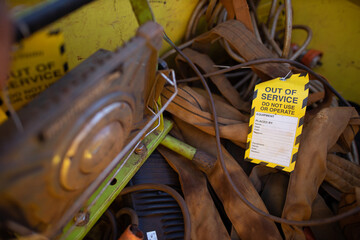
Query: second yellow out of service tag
column 39, row 61
column 277, row 118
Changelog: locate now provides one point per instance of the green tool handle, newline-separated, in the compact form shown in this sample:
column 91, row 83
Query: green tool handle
column 201, row 159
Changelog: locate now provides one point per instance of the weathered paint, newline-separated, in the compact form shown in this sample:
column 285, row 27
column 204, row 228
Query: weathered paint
column 179, row 147
column 110, row 23
column 336, row 29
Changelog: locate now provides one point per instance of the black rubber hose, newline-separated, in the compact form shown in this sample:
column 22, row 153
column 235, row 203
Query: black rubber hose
column 171, row 192
column 113, row 223
column 43, row 15
column 131, row 213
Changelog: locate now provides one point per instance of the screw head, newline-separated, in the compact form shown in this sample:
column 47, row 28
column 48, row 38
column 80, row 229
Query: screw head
column 81, row 218
column 141, row 149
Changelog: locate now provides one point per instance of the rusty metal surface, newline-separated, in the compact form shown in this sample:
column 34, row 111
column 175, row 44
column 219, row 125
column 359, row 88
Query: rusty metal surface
column 68, row 144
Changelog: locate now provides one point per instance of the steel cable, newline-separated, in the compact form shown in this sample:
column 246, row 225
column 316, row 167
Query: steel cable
column 272, row 60
column 271, row 40
column 275, row 20
column 271, row 12
column 288, row 29
column 192, row 18
column 306, row 42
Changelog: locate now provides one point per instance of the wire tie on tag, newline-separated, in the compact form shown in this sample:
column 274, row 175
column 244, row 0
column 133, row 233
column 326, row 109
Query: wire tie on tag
column 221, row 66
column 286, row 77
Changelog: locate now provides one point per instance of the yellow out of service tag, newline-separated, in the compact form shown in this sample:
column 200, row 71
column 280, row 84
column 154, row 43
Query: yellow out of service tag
column 277, row 118
column 38, row 62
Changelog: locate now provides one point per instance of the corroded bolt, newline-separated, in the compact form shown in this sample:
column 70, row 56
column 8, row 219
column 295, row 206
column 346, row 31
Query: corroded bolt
column 141, row 149
column 81, row 218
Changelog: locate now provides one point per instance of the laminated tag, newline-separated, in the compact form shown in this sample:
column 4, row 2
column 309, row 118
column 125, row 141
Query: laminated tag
column 38, row 62
column 276, row 122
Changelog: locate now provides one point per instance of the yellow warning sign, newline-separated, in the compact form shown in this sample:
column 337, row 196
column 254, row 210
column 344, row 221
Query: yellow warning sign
column 277, row 118
column 38, row 62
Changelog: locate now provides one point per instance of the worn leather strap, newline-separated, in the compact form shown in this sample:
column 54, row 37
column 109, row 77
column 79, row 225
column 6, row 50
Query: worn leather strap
column 247, row 223
column 342, row 174
column 205, row 63
column 246, row 45
column 319, row 135
column 206, row 222
column 240, row 10
column 193, row 108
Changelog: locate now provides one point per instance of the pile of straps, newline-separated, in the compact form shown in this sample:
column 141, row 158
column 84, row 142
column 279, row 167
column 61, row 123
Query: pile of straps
column 322, row 165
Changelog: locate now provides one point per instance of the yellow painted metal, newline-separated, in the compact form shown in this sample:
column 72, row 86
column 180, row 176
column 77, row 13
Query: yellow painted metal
column 3, row 116
column 179, row 147
column 336, row 28
column 109, row 23
column 335, row 25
